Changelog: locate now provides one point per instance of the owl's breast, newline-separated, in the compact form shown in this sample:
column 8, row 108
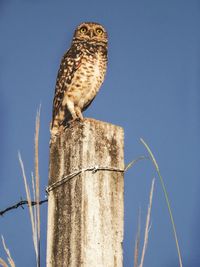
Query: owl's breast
column 88, row 78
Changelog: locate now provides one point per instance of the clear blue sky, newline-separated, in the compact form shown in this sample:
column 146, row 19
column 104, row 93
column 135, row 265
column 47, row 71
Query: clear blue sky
column 151, row 89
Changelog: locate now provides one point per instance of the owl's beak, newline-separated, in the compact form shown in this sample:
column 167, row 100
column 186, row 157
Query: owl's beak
column 91, row 33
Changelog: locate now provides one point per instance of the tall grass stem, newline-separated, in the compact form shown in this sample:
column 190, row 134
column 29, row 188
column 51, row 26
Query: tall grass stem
column 166, row 198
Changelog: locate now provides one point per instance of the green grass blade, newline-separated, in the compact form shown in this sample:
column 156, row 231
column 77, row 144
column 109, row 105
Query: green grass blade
column 166, row 198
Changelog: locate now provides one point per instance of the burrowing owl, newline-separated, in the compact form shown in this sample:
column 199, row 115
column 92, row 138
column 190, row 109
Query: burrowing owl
column 81, row 74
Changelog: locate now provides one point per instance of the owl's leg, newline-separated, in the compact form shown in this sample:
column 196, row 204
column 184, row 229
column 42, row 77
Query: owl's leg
column 70, row 106
column 79, row 113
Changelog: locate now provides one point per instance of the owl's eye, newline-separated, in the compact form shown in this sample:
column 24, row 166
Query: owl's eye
column 99, row 31
column 83, row 29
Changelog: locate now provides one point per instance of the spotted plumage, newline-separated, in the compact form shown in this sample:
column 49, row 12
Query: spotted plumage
column 81, row 74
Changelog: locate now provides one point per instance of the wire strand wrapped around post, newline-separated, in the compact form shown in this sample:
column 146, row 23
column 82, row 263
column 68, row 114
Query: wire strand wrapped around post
column 75, row 173
column 85, row 214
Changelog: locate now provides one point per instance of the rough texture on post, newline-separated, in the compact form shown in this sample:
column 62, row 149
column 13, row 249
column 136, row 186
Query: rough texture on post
column 85, row 213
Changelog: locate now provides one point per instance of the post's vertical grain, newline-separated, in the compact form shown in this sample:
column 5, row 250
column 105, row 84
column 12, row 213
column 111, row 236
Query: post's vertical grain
column 85, row 214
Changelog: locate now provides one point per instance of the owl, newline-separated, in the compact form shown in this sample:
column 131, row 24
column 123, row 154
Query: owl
column 81, row 74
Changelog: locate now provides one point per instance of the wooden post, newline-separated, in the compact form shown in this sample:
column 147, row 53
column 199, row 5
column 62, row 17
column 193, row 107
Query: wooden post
column 86, row 196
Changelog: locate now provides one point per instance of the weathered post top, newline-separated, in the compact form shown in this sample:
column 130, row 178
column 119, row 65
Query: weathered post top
column 85, row 206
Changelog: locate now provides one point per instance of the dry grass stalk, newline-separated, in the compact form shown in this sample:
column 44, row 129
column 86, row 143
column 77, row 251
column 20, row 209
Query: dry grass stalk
column 37, row 179
column 9, row 258
column 28, row 195
column 133, row 162
column 34, row 207
column 34, row 211
column 3, row 263
column 137, row 241
column 147, row 227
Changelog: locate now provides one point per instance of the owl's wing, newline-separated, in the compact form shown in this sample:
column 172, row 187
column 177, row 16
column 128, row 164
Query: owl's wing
column 70, row 63
column 89, row 103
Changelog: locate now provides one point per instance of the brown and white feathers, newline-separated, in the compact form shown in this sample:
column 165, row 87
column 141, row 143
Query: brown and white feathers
column 81, row 74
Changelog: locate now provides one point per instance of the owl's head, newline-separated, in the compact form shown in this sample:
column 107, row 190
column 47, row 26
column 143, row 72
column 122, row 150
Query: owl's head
column 90, row 32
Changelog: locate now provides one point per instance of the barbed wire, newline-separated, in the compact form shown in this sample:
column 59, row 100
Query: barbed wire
column 67, row 178
column 21, row 204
